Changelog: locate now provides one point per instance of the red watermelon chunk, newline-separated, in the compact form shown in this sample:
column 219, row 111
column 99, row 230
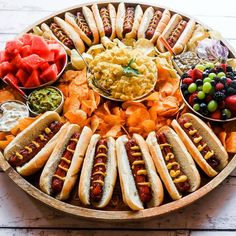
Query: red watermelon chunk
column 39, row 45
column 26, row 39
column 44, row 66
column 13, row 47
column 33, row 61
column 48, row 56
column 33, row 80
column 3, row 56
column 49, row 74
column 23, row 76
column 5, row 68
column 25, row 51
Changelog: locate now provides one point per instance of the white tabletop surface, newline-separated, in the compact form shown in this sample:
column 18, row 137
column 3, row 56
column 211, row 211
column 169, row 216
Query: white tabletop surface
column 214, row 214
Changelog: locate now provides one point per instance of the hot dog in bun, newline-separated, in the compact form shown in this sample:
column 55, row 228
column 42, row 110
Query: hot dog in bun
column 106, row 20
column 99, row 172
column 173, row 162
column 140, row 184
column 205, row 148
column 29, row 151
column 84, row 23
column 61, row 170
column 65, row 34
column 153, row 23
column 176, row 34
column 128, row 19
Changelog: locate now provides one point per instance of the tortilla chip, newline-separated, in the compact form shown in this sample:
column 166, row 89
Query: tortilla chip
column 231, row 142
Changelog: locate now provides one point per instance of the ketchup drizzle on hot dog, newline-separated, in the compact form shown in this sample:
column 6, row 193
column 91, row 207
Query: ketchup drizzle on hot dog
column 99, row 170
column 198, row 142
column 104, row 13
column 166, row 149
column 139, row 172
column 80, row 20
column 64, row 164
column 176, row 33
column 61, row 35
column 29, row 151
column 129, row 20
column 153, row 24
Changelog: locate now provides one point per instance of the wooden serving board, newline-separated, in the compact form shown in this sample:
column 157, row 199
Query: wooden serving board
column 116, row 210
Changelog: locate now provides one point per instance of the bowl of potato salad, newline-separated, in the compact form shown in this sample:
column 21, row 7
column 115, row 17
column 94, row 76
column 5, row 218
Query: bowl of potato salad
column 122, row 74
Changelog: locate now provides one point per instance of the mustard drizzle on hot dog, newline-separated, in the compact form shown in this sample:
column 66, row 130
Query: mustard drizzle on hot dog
column 99, row 170
column 198, row 141
column 22, row 156
column 139, row 171
column 64, row 163
column 174, row 168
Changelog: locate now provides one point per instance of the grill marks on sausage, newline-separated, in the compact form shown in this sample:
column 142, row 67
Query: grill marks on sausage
column 139, row 171
column 64, row 164
column 104, row 13
column 83, row 25
column 25, row 154
column 129, row 20
column 99, row 170
column 179, row 178
column 61, row 35
column 176, row 33
column 198, row 141
column 153, row 24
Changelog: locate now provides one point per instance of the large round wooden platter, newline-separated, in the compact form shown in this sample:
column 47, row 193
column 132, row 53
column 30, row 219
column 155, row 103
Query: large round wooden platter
column 113, row 213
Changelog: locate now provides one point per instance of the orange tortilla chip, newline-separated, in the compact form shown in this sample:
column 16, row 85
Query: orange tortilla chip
column 78, row 117
column 231, row 143
column 148, row 125
column 222, row 136
column 114, row 131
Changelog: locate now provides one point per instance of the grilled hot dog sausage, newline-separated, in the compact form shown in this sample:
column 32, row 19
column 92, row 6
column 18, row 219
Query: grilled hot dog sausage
column 173, row 38
column 80, row 20
column 129, row 20
column 104, row 13
column 198, row 141
column 99, row 170
column 180, row 180
column 61, row 35
column 153, row 24
column 137, row 165
column 28, row 152
column 64, row 165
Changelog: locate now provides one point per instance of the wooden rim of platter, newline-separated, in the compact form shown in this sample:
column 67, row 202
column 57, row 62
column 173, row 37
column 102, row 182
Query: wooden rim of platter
column 115, row 216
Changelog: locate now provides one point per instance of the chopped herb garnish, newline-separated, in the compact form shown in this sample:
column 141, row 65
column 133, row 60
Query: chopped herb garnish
column 128, row 70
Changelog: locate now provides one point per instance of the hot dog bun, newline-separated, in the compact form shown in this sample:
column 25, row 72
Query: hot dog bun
column 27, row 135
column 182, row 157
column 49, row 170
column 184, row 37
column 111, row 173
column 120, row 18
column 45, row 28
column 129, row 190
column 98, row 18
column 74, row 36
column 147, row 17
column 211, row 140
column 89, row 18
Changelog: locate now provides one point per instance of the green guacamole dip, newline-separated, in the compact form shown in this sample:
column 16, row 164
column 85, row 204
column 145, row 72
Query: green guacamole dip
column 45, row 99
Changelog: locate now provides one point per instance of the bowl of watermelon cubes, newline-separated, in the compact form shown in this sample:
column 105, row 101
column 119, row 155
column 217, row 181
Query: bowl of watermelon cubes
column 209, row 90
column 31, row 62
